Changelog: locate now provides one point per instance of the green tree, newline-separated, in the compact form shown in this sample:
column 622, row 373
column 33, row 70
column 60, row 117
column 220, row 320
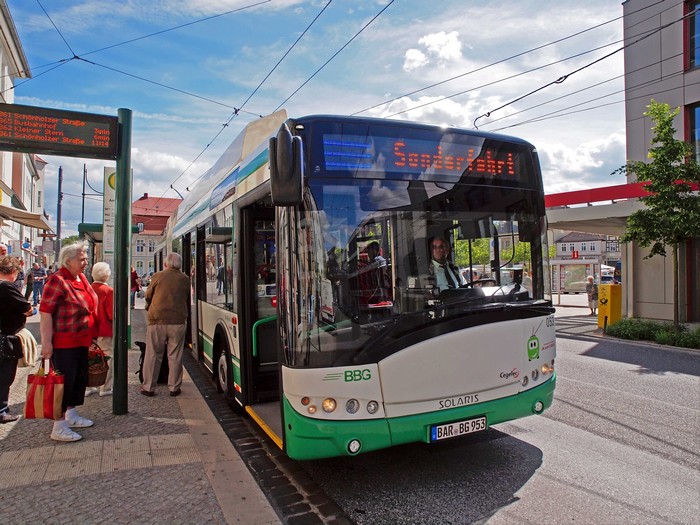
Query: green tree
column 672, row 211
column 69, row 240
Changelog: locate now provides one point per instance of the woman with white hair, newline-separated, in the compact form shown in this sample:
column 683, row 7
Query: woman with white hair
column 68, row 311
column 105, row 315
column 592, row 292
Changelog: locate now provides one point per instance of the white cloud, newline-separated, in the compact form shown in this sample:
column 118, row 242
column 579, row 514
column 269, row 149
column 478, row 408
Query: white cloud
column 444, row 46
column 414, row 59
column 441, row 47
column 588, row 165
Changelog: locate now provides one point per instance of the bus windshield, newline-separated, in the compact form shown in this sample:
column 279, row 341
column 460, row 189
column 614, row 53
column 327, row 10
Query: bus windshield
column 407, row 228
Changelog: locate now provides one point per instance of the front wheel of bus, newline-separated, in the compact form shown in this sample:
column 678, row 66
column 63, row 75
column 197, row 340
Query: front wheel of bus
column 224, row 381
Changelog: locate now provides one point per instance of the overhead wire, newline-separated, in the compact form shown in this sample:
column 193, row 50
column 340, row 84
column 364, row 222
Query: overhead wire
column 565, row 77
column 235, row 113
column 597, row 84
column 301, row 86
column 335, row 55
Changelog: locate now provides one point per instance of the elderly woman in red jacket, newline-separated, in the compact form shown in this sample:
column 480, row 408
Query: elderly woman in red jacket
column 103, row 323
column 68, row 310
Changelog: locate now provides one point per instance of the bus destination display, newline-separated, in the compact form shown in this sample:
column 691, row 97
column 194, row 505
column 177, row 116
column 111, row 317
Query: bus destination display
column 451, row 160
column 53, row 131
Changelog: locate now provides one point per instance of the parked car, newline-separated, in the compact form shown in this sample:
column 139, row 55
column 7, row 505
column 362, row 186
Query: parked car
column 607, row 279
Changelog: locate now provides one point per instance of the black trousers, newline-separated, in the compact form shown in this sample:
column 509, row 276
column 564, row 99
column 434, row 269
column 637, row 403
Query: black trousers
column 72, row 363
column 8, row 371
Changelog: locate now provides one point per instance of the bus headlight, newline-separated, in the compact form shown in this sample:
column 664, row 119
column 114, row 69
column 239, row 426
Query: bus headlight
column 352, row 406
column 372, row 407
column 329, row 405
column 544, row 369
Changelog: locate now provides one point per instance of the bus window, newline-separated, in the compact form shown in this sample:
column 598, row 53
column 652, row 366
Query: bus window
column 265, row 267
column 218, row 271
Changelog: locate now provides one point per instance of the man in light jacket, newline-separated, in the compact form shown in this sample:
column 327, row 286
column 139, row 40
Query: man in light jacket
column 167, row 300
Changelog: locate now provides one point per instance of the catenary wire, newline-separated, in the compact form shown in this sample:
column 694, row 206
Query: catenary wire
column 565, row 77
column 335, row 54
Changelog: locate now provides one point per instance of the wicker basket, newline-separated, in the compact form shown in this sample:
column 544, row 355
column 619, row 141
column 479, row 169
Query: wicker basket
column 97, row 373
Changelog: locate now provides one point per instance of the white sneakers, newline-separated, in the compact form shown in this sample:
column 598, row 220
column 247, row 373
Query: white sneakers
column 61, row 432
column 78, row 421
column 94, row 390
column 61, row 428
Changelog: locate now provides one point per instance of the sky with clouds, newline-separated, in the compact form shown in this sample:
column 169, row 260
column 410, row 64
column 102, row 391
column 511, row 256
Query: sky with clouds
column 186, row 67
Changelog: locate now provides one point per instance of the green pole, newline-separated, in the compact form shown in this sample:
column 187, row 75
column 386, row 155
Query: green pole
column 122, row 240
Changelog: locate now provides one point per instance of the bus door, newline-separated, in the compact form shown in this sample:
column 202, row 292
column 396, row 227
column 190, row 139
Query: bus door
column 258, row 274
column 189, row 266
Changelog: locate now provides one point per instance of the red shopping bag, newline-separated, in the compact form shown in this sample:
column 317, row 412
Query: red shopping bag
column 44, row 394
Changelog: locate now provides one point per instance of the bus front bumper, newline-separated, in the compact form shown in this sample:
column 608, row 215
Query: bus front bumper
column 310, row 438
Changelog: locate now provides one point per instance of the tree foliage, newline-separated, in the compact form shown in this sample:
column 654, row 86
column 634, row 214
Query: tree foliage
column 672, row 212
column 69, row 240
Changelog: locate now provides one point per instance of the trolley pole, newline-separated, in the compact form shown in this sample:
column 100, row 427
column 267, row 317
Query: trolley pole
column 122, row 238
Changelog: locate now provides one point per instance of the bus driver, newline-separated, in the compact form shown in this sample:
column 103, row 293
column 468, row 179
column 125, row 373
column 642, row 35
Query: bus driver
column 447, row 275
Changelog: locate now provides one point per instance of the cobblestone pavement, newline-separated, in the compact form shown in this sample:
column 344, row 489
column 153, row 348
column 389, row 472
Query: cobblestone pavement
column 163, row 462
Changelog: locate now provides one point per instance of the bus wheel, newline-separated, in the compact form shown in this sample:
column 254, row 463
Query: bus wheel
column 224, row 381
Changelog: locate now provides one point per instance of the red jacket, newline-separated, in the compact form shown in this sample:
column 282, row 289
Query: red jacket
column 105, row 309
column 72, row 304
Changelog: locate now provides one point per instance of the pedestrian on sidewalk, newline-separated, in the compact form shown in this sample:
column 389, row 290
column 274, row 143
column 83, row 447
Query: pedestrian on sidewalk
column 68, row 310
column 167, row 299
column 105, row 315
column 39, row 274
column 29, row 275
column 592, row 292
column 135, row 286
column 19, row 282
column 14, row 310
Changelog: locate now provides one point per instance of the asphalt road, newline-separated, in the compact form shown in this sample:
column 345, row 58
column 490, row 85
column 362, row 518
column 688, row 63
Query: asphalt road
column 620, row 445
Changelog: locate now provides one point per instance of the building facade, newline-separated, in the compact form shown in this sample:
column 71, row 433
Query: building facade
column 150, row 215
column 22, row 216
column 662, row 62
column 579, row 245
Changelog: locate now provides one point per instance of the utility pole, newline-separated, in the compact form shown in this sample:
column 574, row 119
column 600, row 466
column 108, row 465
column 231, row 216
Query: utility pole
column 82, row 217
column 58, row 211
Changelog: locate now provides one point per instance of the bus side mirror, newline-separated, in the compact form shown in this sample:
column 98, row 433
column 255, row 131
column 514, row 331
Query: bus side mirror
column 286, row 168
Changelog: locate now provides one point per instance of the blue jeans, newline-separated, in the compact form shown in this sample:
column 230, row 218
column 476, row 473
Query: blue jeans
column 38, row 290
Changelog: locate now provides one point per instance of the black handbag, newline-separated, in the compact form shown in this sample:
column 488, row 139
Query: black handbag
column 10, row 347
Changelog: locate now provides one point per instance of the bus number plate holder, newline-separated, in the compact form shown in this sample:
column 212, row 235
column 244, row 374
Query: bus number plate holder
column 459, row 428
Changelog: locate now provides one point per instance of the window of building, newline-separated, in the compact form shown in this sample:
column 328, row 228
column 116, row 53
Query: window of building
column 140, row 246
column 151, row 246
column 592, row 246
column 38, row 199
column 694, row 34
column 563, row 247
column 583, row 246
column 139, row 268
column 572, row 247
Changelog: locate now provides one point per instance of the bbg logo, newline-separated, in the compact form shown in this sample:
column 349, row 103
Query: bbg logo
column 357, row 375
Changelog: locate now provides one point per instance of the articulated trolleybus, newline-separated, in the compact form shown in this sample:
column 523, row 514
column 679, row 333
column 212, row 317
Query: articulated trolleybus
column 318, row 308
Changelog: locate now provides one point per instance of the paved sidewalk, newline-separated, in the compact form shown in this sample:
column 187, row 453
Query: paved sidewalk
column 166, row 461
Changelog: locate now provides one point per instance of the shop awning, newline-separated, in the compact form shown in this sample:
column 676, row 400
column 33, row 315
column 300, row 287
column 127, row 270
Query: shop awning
column 33, row 220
